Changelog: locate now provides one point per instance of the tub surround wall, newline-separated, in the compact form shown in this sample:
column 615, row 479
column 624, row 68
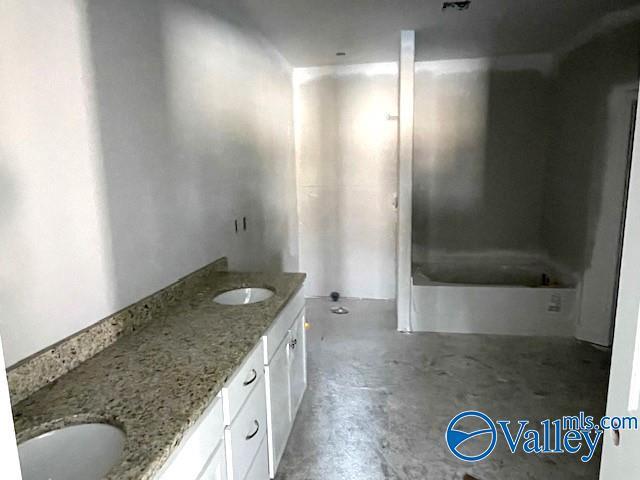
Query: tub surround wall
column 524, row 158
column 132, row 134
column 482, row 133
column 481, row 143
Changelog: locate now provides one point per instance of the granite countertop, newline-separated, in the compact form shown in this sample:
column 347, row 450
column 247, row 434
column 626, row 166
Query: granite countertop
column 156, row 382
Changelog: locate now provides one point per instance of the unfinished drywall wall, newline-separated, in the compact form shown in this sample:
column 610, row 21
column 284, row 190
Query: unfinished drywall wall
column 55, row 276
column 131, row 136
column 195, row 117
column 346, row 165
column 587, row 169
column 481, row 139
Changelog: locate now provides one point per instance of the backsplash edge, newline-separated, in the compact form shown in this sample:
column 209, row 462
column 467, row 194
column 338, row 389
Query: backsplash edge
column 49, row 364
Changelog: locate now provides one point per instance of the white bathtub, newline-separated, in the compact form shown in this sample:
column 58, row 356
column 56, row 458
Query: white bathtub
column 507, row 299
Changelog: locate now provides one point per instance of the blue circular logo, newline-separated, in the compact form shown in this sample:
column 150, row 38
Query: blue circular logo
column 456, row 437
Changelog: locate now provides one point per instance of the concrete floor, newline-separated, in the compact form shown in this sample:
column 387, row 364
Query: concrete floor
column 379, row 401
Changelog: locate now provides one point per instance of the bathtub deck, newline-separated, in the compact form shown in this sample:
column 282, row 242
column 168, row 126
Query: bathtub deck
column 379, row 401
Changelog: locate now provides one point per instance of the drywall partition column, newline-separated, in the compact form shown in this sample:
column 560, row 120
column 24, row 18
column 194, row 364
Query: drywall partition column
column 405, row 180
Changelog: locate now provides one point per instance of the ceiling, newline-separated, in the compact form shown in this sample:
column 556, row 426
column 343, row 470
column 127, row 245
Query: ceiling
column 310, row 32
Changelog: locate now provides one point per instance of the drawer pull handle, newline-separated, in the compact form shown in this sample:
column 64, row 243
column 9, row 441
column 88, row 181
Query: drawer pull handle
column 253, row 379
column 251, row 435
column 293, row 343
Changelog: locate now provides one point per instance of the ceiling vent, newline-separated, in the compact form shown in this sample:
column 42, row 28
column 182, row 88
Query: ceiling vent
column 462, row 5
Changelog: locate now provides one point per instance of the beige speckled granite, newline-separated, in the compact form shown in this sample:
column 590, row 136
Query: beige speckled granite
column 157, row 381
column 44, row 367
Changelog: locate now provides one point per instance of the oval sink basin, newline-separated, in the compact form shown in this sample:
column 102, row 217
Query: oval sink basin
column 79, row 452
column 243, row 296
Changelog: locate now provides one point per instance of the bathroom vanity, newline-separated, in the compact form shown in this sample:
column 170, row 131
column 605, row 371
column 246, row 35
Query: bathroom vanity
column 243, row 433
column 201, row 390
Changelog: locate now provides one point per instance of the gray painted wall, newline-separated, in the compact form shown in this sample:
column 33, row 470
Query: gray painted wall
column 132, row 134
column 481, row 140
column 586, row 169
column 585, row 79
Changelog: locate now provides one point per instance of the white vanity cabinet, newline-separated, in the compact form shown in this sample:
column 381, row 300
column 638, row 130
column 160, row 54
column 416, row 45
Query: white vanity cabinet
column 198, row 456
column 229, row 441
column 216, row 468
column 245, row 417
column 243, row 433
column 285, row 375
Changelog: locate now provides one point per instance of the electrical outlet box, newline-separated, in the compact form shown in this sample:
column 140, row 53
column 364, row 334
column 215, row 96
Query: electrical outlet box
column 555, row 304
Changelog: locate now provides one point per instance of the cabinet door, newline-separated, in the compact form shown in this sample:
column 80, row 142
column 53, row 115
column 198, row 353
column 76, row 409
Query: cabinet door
column 297, row 365
column 260, row 468
column 197, row 446
column 216, row 469
column 278, row 405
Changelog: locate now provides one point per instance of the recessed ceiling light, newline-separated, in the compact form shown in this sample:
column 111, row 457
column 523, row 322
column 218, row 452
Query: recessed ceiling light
column 341, row 54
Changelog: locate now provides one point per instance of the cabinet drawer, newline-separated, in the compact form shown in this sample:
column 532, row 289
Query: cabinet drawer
column 274, row 336
column 216, row 469
column 246, row 434
column 241, row 384
column 197, row 446
column 260, row 467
